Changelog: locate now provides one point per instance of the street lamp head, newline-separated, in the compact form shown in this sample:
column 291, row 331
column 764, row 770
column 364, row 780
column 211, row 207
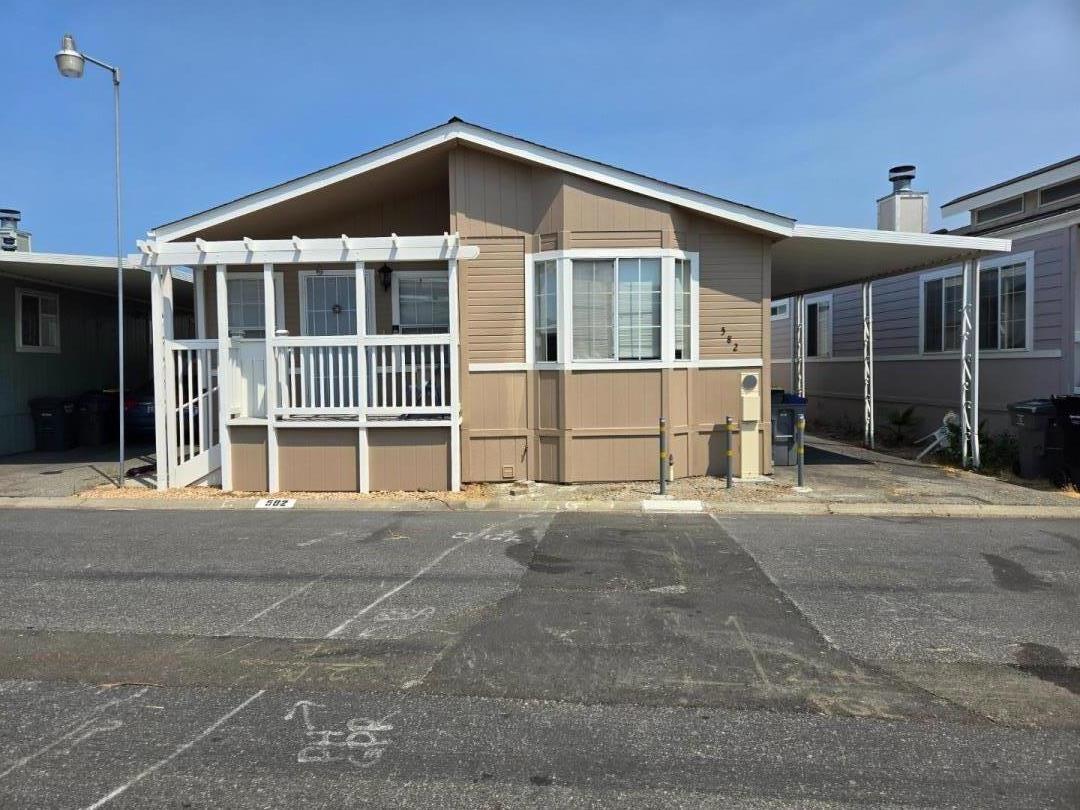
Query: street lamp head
column 69, row 61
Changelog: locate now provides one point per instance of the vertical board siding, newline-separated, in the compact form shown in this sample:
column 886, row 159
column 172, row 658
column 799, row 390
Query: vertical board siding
column 249, row 461
column 409, row 458
column 731, row 293
column 614, row 399
column 490, row 195
column 494, row 301
column 318, row 459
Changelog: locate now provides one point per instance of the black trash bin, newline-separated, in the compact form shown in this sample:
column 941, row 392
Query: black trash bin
column 96, row 418
column 1065, row 463
column 785, row 409
column 1032, row 419
column 54, row 423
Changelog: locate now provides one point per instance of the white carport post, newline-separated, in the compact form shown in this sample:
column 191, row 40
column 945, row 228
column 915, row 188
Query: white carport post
column 157, row 337
column 868, row 362
column 969, row 366
column 798, row 346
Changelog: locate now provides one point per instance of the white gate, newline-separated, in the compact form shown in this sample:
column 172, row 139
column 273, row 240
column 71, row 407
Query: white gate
column 193, row 440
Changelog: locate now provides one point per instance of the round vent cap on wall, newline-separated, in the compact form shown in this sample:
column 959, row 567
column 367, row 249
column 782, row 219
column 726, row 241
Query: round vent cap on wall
column 750, row 383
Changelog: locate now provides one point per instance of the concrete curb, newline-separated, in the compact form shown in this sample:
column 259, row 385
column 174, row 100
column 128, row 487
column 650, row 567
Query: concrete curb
column 504, row 504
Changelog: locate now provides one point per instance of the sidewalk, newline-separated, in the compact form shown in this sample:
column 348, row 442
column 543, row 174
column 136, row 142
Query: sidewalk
column 841, row 480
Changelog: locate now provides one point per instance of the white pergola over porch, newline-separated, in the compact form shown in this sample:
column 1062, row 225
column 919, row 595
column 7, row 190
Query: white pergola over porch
column 358, row 380
column 817, row 258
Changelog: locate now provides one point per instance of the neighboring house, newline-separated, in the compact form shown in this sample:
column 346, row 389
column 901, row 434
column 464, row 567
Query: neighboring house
column 58, row 328
column 464, row 305
column 1029, row 312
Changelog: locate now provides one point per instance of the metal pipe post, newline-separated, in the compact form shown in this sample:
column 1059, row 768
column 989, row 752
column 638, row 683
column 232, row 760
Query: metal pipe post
column 729, row 439
column 800, row 450
column 663, row 456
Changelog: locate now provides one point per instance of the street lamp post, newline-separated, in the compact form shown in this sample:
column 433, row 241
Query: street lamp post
column 70, row 61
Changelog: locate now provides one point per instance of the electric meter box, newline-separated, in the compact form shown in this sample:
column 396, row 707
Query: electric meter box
column 750, row 394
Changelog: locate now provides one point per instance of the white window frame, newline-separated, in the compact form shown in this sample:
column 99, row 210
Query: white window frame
column 22, row 292
column 279, row 297
column 564, row 290
column 395, row 292
column 1027, row 258
column 814, row 299
column 785, row 309
column 302, row 276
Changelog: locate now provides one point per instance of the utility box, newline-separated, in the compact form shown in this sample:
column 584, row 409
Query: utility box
column 750, row 415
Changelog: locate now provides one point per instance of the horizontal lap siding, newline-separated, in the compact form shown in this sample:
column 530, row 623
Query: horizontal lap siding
column 494, row 301
column 847, row 332
column 731, row 293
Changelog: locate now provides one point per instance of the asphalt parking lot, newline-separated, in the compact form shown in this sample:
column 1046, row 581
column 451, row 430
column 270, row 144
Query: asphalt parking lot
column 268, row 659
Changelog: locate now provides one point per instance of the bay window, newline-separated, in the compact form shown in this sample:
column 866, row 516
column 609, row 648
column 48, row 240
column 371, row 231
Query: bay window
column 546, row 312
column 616, row 309
column 683, row 309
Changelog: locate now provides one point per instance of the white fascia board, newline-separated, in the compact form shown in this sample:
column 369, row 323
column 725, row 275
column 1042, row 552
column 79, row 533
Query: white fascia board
column 512, row 147
column 973, row 244
column 1009, row 190
column 66, row 260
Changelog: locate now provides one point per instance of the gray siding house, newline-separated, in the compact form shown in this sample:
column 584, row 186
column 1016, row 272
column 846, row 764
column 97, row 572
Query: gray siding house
column 1029, row 312
column 58, row 328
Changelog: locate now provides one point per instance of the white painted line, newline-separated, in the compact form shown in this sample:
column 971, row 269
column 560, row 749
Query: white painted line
column 672, row 506
column 179, row 750
column 468, row 539
column 278, row 603
column 82, row 727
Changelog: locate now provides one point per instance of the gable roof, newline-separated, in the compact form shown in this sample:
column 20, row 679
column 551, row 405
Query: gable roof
column 457, row 130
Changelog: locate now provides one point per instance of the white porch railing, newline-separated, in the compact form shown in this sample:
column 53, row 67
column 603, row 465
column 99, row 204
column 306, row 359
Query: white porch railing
column 373, row 375
column 191, row 409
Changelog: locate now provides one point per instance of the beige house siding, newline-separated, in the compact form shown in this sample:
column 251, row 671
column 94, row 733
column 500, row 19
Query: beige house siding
column 732, row 293
column 318, row 459
column 249, row 462
column 409, row 458
column 493, row 299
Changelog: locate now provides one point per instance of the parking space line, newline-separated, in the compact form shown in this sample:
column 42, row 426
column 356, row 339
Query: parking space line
column 179, row 750
column 446, row 553
column 82, row 727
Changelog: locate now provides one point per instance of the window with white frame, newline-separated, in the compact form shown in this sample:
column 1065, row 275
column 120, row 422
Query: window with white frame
column 1004, row 306
column 819, row 326
column 616, row 309
column 37, row 321
column 779, row 310
column 683, row 310
column 247, row 313
column 329, row 303
column 421, row 302
column 546, row 312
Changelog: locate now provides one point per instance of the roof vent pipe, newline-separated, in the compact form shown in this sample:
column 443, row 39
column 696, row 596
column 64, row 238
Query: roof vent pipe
column 901, row 177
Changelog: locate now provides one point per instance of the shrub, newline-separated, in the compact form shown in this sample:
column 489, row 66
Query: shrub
column 899, row 426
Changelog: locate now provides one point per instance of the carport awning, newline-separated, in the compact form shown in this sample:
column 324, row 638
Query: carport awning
column 818, row 257
column 96, row 274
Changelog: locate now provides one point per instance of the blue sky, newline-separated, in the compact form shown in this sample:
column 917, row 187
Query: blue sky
column 795, row 107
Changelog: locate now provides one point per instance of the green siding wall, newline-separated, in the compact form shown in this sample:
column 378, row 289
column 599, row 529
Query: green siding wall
column 87, row 358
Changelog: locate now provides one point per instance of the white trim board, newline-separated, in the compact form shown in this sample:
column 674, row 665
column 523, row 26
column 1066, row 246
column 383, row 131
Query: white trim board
column 620, row 365
column 1015, row 188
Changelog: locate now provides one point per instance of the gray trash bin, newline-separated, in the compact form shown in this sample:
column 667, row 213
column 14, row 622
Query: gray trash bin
column 1032, row 419
column 785, row 409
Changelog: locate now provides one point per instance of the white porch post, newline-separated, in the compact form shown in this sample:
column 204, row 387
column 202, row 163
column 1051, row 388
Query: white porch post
column 168, row 333
column 224, row 377
column 157, row 337
column 273, row 477
column 868, row 363
column 363, row 470
column 798, row 346
column 455, row 383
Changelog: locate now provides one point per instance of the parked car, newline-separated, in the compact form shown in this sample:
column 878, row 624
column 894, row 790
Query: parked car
column 139, row 410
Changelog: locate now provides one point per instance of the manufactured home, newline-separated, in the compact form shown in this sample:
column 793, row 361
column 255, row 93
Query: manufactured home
column 464, row 305
column 1027, row 320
